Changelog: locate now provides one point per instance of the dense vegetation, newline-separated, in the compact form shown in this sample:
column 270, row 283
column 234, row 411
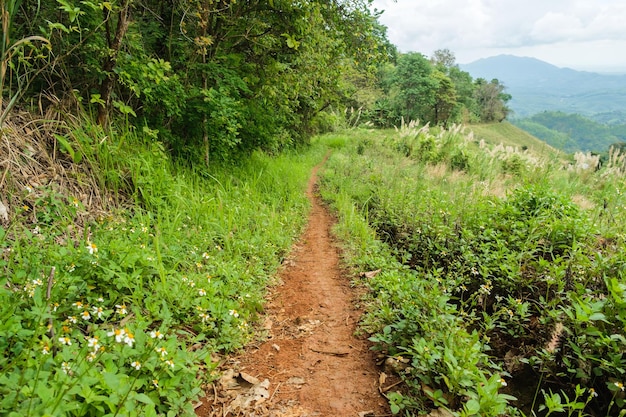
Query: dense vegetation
column 146, row 207
column 121, row 311
column 573, row 132
column 500, row 271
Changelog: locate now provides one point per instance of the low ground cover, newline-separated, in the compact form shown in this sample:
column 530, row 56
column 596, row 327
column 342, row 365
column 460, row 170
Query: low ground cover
column 501, row 287
column 118, row 309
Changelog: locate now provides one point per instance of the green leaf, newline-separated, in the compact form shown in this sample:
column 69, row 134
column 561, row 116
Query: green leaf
column 472, row 407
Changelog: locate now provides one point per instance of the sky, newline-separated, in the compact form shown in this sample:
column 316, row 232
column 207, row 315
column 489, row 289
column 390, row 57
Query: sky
column 580, row 34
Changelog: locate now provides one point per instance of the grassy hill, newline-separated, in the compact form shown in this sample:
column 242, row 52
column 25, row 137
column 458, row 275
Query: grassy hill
column 510, row 135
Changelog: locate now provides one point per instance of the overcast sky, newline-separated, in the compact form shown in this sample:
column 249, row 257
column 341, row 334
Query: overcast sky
column 579, row 34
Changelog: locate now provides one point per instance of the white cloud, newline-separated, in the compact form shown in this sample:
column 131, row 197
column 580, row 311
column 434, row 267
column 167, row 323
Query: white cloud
column 469, row 27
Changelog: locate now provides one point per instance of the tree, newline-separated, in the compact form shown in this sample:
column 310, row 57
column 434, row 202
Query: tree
column 443, row 58
column 491, row 100
column 445, row 98
column 414, row 89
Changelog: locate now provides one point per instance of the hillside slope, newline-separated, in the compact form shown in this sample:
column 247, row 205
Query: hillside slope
column 511, row 135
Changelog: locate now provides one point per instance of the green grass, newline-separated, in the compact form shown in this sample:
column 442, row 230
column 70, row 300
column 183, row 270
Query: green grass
column 510, row 135
column 119, row 313
column 485, row 253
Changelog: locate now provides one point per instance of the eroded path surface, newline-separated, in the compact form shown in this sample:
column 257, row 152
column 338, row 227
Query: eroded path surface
column 311, row 364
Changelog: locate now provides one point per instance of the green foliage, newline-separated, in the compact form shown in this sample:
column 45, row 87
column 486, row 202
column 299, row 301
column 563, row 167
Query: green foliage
column 572, row 132
column 217, row 79
column 116, row 315
column 481, row 288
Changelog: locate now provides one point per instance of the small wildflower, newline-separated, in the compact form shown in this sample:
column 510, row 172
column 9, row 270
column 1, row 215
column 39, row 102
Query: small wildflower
column 91, row 356
column 155, row 382
column 199, row 265
column 129, row 338
column 619, row 385
column 91, row 248
column 161, row 351
column 593, row 392
column 36, row 230
column 93, row 343
column 202, row 292
column 100, row 300
column 142, row 246
column 204, row 317
column 85, row 315
column 136, row 365
column 155, row 334
column 121, row 309
column 192, row 284
column 65, row 341
column 205, row 255
column 29, row 189
column 97, row 311
column 71, row 268
column 170, row 363
column 119, row 335
column 144, row 229
column 233, row 313
column 67, row 369
column 45, row 350
column 74, row 202
column 79, row 305
column 72, row 319
column 503, row 382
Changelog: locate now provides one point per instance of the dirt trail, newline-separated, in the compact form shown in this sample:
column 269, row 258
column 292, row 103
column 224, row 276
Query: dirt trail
column 311, row 364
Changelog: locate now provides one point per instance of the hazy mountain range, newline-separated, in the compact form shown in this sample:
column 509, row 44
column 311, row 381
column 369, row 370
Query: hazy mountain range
column 537, row 86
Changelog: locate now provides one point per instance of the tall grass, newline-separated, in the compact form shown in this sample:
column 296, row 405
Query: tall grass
column 117, row 312
column 497, row 266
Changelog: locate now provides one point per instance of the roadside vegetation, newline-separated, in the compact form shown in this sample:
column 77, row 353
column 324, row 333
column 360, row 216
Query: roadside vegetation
column 500, row 286
column 117, row 310
column 153, row 158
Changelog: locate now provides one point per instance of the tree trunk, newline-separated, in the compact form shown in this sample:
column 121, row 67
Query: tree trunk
column 109, row 63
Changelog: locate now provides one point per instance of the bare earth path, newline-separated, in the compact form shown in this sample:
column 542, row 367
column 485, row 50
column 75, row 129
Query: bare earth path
column 311, row 364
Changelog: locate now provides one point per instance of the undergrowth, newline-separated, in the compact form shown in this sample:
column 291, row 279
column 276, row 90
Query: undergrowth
column 116, row 309
column 501, row 281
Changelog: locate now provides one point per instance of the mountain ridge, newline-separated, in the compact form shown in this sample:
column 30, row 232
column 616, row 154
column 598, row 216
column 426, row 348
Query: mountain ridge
column 538, row 86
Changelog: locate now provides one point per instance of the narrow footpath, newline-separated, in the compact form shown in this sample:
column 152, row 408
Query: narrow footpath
column 310, row 363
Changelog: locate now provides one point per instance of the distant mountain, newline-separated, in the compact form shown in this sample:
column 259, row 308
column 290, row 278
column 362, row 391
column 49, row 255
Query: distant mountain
column 538, row 86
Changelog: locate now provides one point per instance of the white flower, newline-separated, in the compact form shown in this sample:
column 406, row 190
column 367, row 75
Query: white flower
column 119, row 334
column 67, row 369
column 65, row 341
column 155, row 334
column 170, row 363
column 97, row 311
column 85, row 315
column 233, row 313
column 92, row 342
column 162, row 351
column 136, row 365
column 91, row 248
column 121, row 309
column 202, row 292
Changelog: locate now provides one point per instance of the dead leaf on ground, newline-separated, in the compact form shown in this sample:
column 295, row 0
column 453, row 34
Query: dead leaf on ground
column 370, row 274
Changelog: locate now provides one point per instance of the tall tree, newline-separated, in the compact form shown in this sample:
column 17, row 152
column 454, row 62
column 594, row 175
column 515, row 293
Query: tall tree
column 491, row 99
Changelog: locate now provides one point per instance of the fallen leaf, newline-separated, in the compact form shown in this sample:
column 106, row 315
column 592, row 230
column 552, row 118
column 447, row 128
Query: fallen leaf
column 370, row 274
column 382, row 378
column 249, row 378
